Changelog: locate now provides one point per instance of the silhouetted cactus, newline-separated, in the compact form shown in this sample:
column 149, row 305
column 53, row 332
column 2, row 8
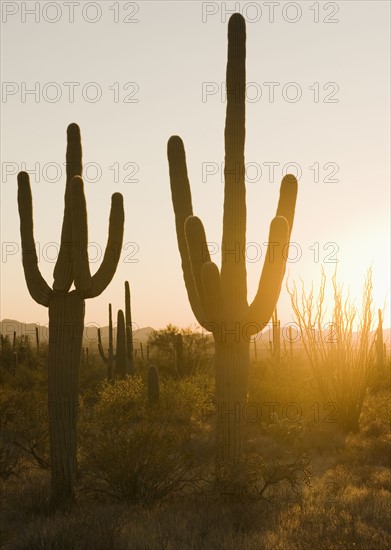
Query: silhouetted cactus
column 153, row 385
column 66, row 308
column 129, row 342
column 109, row 360
column 219, row 299
column 111, row 357
column 120, row 352
column 129, row 334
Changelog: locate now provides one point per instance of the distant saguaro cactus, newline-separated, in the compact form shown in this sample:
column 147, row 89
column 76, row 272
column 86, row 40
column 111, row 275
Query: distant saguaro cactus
column 129, row 335
column 66, row 308
column 219, row 299
column 120, row 352
column 109, row 360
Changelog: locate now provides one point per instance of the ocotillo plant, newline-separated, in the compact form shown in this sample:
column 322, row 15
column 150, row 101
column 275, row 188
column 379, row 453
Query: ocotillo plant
column 379, row 342
column 109, row 360
column 219, row 299
column 290, row 342
column 153, row 385
column 179, row 363
column 129, row 335
column 120, row 352
column 66, row 308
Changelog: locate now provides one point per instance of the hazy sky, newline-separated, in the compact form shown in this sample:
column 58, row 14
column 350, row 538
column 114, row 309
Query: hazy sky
column 144, row 71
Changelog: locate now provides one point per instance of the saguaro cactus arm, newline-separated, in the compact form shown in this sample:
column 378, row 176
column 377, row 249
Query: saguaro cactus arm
column 214, row 301
column 181, row 199
column 287, row 201
column 261, row 309
column 106, row 271
column 198, row 252
column 91, row 286
column 63, row 270
column 273, row 271
column 38, row 288
column 100, row 348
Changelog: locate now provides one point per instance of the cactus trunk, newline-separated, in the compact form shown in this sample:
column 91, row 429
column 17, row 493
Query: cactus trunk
column 231, row 371
column 66, row 322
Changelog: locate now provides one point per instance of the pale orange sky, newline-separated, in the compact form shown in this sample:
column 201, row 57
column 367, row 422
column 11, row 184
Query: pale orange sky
column 170, row 53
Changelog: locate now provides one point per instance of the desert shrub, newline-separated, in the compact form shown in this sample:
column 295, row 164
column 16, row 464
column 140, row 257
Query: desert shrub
column 276, row 463
column 24, row 429
column 92, row 373
column 197, row 350
column 136, row 452
column 28, row 495
column 10, row 458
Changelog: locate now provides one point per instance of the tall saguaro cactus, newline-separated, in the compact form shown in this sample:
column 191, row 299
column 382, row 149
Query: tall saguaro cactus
column 219, row 297
column 66, row 308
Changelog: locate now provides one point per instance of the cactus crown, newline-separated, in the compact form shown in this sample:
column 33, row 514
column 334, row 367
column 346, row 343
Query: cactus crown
column 72, row 263
column 218, row 297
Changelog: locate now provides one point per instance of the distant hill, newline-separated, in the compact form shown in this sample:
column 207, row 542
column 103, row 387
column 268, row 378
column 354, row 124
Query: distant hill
column 90, row 337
